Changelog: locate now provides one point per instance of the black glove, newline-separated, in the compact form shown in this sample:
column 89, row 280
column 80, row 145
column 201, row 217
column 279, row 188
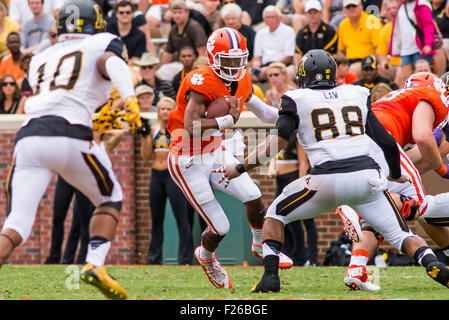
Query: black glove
column 145, row 129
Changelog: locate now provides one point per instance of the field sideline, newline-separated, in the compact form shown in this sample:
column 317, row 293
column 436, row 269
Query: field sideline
column 61, row 282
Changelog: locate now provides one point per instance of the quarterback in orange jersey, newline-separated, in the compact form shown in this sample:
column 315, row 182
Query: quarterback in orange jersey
column 410, row 115
column 196, row 148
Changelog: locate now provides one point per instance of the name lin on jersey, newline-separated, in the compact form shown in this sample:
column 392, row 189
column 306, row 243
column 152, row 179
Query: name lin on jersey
column 330, row 94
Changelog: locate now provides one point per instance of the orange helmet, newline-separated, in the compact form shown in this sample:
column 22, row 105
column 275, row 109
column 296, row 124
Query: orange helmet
column 227, row 53
column 427, row 80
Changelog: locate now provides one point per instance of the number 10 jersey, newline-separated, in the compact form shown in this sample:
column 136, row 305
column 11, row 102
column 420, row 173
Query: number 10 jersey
column 66, row 82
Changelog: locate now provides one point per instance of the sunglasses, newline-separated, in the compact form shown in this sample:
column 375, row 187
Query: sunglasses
column 124, row 12
column 273, row 75
column 12, row 84
column 147, row 67
column 53, row 35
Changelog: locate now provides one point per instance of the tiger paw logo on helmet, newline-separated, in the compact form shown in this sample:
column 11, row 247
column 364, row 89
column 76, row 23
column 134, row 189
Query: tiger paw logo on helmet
column 197, row 79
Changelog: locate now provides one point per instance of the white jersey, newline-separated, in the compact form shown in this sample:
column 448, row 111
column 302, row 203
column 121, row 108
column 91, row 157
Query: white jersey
column 332, row 122
column 66, row 81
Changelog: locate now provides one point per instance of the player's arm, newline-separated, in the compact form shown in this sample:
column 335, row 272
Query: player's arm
column 261, row 110
column 303, row 159
column 286, row 124
column 422, row 133
column 376, row 131
column 195, row 120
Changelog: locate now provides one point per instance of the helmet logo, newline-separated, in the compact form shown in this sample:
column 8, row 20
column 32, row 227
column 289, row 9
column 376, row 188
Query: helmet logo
column 211, row 44
column 301, row 70
column 99, row 23
column 73, row 19
column 319, row 76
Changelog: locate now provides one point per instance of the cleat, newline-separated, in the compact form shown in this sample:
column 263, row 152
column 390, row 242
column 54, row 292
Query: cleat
column 351, row 222
column 438, row 272
column 99, row 278
column 356, row 278
column 268, row 284
column 284, row 261
column 214, row 271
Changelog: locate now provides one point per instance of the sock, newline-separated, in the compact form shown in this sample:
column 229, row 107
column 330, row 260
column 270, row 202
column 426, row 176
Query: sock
column 205, row 254
column 257, row 234
column 424, row 256
column 97, row 251
column 271, row 248
column 359, row 257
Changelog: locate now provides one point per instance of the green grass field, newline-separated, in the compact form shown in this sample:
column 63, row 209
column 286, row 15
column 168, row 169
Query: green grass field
column 60, row 282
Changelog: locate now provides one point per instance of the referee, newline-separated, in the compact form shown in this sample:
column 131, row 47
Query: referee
column 316, row 34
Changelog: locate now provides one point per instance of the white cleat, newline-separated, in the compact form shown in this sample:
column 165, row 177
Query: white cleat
column 214, row 271
column 351, row 222
column 284, row 261
column 356, row 278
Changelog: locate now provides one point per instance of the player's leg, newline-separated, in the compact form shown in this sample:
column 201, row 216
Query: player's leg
column 90, row 171
column 193, row 179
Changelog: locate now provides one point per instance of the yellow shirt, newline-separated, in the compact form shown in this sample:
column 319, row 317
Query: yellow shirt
column 359, row 41
column 10, row 26
column 384, row 42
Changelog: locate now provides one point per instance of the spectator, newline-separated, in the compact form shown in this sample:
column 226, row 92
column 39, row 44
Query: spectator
column 212, row 14
column 316, row 34
column 23, row 83
column 133, row 38
column 231, row 14
column 53, row 38
column 274, row 43
column 333, row 13
column 255, row 9
column 154, row 14
column 388, row 65
column 370, row 75
column 358, row 34
column 138, row 21
column 422, row 65
column 9, row 26
column 10, row 63
column 11, row 99
column 406, row 41
column 51, row 7
column 187, row 57
column 288, row 165
column 245, row 18
column 442, row 22
column 36, row 30
column 344, row 76
column 379, row 90
column 155, row 146
column 279, row 83
column 185, row 32
column 145, row 97
column 19, row 11
column 148, row 65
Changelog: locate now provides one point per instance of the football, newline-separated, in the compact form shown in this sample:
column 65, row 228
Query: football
column 219, row 107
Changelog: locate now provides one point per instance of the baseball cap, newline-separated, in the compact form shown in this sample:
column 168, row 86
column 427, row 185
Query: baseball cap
column 147, row 59
column 348, row 2
column 313, row 4
column 143, row 88
column 369, row 62
column 178, row 4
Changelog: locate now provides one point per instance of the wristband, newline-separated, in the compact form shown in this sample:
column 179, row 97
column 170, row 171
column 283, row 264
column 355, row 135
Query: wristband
column 442, row 170
column 225, row 121
column 240, row 168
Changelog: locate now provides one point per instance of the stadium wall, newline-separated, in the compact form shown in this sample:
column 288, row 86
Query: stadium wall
column 134, row 232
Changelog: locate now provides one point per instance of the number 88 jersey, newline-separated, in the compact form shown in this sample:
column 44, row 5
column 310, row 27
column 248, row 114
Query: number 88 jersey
column 331, row 122
column 65, row 79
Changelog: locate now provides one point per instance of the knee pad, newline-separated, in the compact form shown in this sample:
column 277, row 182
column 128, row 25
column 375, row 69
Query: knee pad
column 215, row 217
column 23, row 228
column 378, row 236
column 409, row 207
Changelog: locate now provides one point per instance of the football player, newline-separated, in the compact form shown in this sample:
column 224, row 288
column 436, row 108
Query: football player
column 335, row 124
column 69, row 80
column 196, row 147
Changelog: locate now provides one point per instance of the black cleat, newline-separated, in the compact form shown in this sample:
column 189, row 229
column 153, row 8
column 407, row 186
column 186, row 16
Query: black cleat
column 438, row 272
column 268, row 284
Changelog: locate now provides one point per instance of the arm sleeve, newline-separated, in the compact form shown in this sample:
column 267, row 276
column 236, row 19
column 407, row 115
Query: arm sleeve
column 261, row 110
column 376, row 131
column 288, row 119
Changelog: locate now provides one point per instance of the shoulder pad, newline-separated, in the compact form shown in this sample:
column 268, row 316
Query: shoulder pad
column 118, row 47
column 287, row 105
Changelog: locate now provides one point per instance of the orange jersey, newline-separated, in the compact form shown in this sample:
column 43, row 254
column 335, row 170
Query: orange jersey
column 395, row 110
column 203, row 81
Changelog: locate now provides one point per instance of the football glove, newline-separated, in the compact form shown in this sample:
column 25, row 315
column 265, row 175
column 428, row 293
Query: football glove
column 106, row 120
column 145, row 129
column 132, row 114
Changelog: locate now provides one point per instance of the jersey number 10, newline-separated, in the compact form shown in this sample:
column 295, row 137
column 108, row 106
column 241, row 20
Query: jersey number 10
column 352, row 118
column 74, row 58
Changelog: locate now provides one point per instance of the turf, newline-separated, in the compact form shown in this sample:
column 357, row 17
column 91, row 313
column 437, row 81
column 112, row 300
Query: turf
column 61, row 282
